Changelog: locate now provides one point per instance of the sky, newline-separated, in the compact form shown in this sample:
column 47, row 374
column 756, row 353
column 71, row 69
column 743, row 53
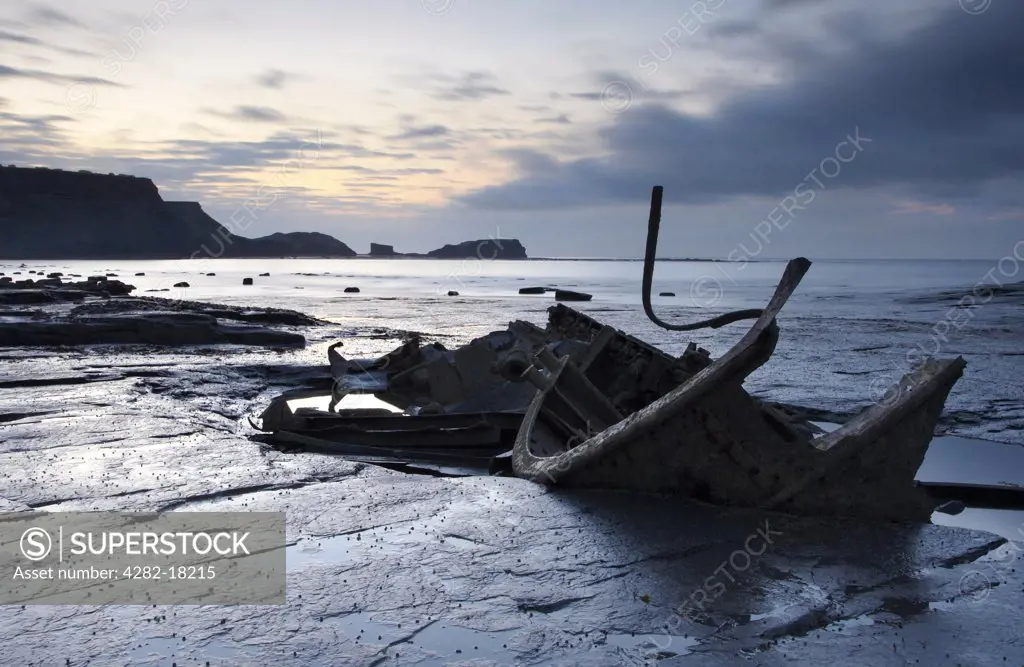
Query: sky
column 824, row 128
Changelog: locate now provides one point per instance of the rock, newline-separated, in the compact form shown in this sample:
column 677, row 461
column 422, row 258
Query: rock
column 569, row 295
column 351, row 290
column 247, row 281
column 666, row 293
column 482, row 249
column 140, row 274
column 46, row 290
column 152, row 328
column 951, row 507
column 452, row 293
column 110, row 287
column 211, row 274
column 97, row 279
column 381, row 250
column 55, row 274
column 182, row 284
column 532, row 290
column 264, row 275
column 111, row 275
column 219, row 311
column 26, row 297
column 6, row 279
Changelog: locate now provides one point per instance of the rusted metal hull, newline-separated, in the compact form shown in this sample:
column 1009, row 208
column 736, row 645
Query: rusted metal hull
column 707, row 438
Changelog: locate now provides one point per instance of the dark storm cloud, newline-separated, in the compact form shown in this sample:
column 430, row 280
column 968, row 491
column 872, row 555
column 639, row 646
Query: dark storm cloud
column 942, row 107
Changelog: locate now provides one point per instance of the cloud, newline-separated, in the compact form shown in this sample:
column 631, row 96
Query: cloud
column 251, row 113
column 48, row 16
column 31, row 135
column 18, row 38
column 912, row 207
column 49, row 77
column 560, row 119
column 611, row 82
column 785, row 4
column 411, row 171
column 422, row 132
column 1016, row 214
column 275, row 79
column 470, row 86
column 939, row 109
column 219, row 170
column 734, row 28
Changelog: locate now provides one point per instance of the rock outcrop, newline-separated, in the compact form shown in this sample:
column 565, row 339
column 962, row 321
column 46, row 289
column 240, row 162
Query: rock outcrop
column 479, row 249
column 482, row 249
column 216, row 240
column 154, row 328
column 381, row 250
column 52, row 290
column 56, row 214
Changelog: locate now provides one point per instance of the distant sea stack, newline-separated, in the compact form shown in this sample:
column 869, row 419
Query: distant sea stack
column 56, row 214
column 482, row 249
column 381, row 250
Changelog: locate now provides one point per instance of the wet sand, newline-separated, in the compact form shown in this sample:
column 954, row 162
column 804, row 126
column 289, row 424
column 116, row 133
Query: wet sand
column 391, row 568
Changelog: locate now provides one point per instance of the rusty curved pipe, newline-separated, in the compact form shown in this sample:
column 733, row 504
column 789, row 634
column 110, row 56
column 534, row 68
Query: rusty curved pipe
column 653, row 227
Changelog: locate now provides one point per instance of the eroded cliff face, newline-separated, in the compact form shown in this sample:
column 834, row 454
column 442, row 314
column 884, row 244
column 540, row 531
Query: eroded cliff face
column 48, row 213
column 55, row 214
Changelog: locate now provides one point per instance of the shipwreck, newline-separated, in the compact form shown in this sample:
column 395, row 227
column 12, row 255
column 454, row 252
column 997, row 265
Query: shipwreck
column 581, row 404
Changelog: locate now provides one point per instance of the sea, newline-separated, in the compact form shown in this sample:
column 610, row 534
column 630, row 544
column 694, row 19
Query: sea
column 851, row 329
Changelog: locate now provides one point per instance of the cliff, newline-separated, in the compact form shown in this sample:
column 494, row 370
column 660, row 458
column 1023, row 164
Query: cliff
column 46, row 213
column 56, row 214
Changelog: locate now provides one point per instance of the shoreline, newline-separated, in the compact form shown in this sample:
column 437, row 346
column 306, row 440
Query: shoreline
column 495, row 568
